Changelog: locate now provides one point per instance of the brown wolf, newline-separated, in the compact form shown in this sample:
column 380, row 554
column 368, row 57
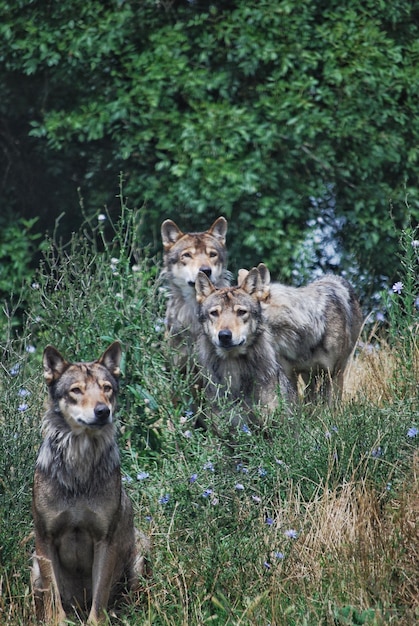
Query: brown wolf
column 86, row 546
column 235, row 347
column 315, row 329
column 186, row 254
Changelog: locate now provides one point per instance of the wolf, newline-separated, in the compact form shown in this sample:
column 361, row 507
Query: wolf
column 235, row 347
column 186, row 254
column 86, row 546
column 315, row 329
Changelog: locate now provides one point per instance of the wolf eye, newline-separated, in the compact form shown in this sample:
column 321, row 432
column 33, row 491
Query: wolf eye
column 107, row 388
column 241, row 312
column 76, row 390
column 214, row 313
column 212, row 254
column 186, row 255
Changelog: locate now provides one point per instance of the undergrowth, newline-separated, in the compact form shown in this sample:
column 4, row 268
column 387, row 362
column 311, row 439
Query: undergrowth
column 310, row 521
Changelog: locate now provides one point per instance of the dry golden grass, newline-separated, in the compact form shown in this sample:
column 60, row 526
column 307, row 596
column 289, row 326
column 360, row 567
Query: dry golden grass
column 379, row 369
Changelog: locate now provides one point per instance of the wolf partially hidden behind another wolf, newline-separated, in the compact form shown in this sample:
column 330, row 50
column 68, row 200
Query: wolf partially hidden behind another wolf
column 314, row 329
column 184, row 255
column 86, row 547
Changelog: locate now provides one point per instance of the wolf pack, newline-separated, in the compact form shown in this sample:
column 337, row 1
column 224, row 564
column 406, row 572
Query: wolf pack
column 256, row 345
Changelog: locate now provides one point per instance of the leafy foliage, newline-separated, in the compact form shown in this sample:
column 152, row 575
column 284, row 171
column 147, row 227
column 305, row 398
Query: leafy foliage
column 276, row 115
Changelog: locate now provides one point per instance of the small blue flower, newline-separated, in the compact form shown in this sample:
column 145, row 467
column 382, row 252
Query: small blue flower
column 142, row 475
column 239, row 487
column 257, row 499
column 267, row 565
column 193, row 478
column 279, row 555
column 30, row 349
column 412, row 432
column 380, row 317
column 398, row 287
column 269, row 520
column 207, row 493
column 377, row 452
column 23, row 393
column 22, row 407
column 291, row 533
column 262, row 471
column 208, row 466
column 126, row 478
column 246, row 429
column 164, row 499
column 14, row 370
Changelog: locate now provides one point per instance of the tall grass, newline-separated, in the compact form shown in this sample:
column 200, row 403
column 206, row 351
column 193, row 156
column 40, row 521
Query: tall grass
column 312, row 521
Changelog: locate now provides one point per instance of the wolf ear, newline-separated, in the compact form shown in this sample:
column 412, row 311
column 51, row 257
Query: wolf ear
column 219, row 229
column 111, row 358
column 242, row 273
column 265, row 278
column 54, row 364
column 170, row 233
column 203, row 287
column 252, row 283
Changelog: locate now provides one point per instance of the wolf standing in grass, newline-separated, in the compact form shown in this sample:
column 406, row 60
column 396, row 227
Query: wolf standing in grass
column 235, row 347
column 86, row 547
column 315, row 329
column 186, row 254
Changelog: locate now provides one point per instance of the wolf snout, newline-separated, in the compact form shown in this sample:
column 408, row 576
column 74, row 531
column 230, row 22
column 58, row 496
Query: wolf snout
column 102, row 413
column 225, row 337
column 207, row 270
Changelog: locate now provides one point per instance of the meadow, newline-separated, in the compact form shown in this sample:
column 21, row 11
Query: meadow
column 310, row 520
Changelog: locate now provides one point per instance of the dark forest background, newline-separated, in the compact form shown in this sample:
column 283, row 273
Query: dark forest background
column 296, row 120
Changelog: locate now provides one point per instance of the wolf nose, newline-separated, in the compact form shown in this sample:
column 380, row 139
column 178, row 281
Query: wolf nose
column 225, row 336
column 207, row 270
column 102, row 412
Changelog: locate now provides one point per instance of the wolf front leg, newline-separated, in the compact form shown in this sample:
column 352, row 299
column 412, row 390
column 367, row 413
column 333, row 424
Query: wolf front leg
column 105, row 561
column 48, row 606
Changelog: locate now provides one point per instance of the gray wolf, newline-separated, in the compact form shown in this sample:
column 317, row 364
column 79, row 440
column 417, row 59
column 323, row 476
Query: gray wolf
column 86, row 547
column 186, row 254
column 315, row 329
column 235, row 347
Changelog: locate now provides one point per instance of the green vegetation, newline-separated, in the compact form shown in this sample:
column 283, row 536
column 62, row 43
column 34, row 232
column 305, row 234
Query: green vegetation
column 312, row 521
column 293, row 119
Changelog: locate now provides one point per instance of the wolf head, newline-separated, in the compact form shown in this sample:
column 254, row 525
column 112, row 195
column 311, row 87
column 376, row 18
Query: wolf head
column 186, row 254
column 84, row 394
column 230, row 317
